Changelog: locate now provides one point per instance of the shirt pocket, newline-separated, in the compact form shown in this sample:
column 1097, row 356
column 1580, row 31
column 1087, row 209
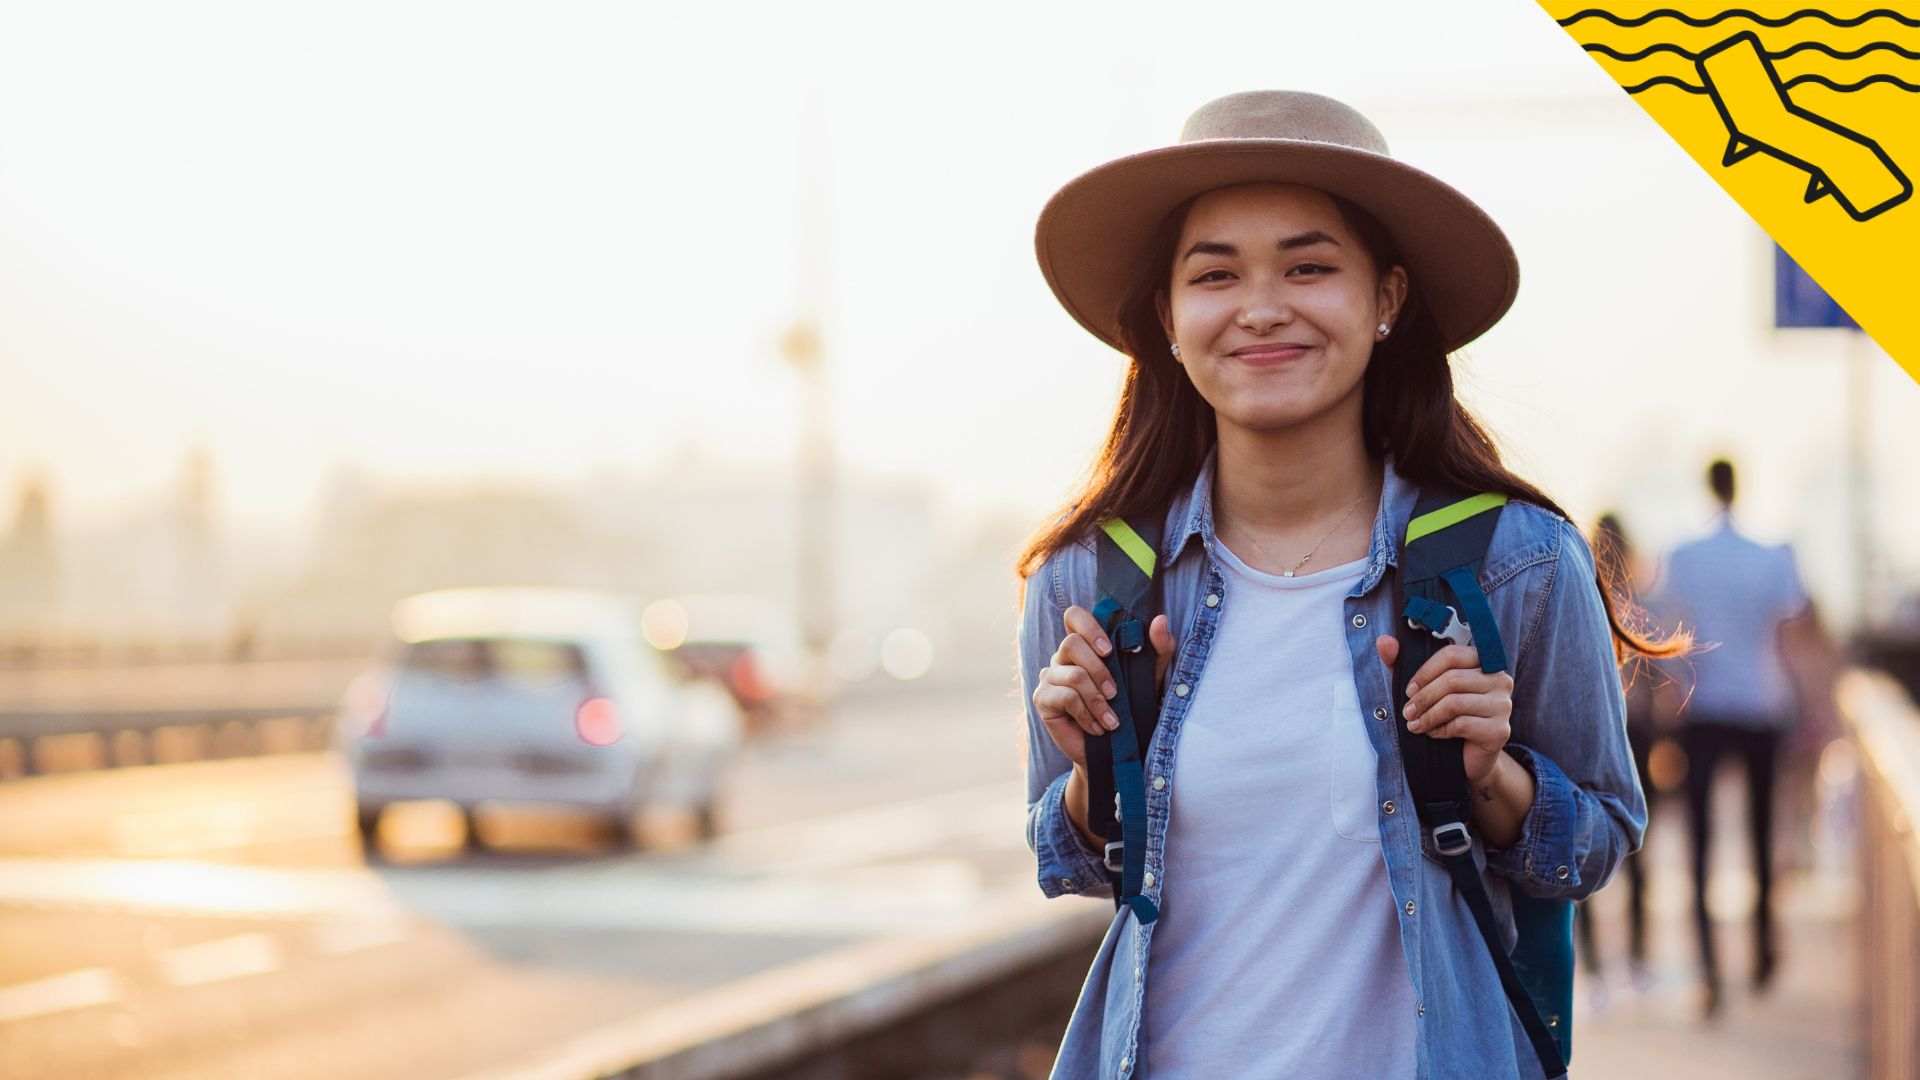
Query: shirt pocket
column 1351, row 764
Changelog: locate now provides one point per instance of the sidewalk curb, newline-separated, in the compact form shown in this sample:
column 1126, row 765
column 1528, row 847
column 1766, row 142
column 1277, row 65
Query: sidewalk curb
column 763, row 1021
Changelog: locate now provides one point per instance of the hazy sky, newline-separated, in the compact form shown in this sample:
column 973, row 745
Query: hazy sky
column 468, row 240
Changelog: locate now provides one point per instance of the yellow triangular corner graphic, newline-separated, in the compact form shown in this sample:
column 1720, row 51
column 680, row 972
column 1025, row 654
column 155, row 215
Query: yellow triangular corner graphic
column 1809, row 118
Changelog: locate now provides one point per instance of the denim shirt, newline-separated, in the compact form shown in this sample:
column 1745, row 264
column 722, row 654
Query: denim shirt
column 1568, row 730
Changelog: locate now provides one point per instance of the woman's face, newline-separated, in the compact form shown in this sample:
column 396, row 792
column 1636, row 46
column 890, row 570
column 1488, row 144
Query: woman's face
column 1275, row 305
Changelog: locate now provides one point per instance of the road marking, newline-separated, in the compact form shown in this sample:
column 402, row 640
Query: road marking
column 183, row 830
column 227, row 958
column 353, row 935
column 187, row 887
column 73, row 990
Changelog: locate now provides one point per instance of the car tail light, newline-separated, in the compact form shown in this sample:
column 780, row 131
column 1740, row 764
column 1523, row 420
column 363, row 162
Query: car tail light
column 743, row 675
column 597, row 722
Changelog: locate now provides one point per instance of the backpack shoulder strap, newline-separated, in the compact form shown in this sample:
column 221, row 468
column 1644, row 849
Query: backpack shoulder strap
column 1129, row 585
column 1441, row 602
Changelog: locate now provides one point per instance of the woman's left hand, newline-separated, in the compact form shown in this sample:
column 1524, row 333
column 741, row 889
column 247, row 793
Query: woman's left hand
column 1451, row 698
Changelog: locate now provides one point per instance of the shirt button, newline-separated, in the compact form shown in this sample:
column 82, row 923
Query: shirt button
column 1420, row 1010
column 1387, row 808
column 1147, row 881
column 1560, row 872
column 1159, row 783
column 1125, row 1063
column 1213, row 599
column 1380, row 712
column 1410, row 907
column 1180, row 690
column 1066, row 883
column 1359, row 622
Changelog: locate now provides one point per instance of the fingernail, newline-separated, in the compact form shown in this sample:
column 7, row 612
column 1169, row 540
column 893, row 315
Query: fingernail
column 1107, row 689
column 1104, row 646
column 1112, row 721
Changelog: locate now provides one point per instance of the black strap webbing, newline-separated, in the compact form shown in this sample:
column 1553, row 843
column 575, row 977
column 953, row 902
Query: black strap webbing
column 1127, row 558
column 1438, row 582
column 1435, row 774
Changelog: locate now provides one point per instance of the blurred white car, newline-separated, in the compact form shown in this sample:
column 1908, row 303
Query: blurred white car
column 534, row 696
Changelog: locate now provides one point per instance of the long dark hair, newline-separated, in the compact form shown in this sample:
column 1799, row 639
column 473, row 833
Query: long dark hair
column 1163, row 429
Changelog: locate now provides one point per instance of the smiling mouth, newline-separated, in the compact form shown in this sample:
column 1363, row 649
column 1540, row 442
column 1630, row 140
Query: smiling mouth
column 1270, row 354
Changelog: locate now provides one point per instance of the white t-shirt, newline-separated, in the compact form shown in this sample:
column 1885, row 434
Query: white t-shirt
column 1277, row 952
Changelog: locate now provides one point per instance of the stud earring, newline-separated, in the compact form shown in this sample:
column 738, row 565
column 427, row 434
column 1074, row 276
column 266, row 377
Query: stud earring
column 1385, row 329
column 1175, row 349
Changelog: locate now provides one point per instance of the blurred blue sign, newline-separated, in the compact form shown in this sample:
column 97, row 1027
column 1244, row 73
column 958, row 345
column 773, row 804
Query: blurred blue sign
column 1800, row 301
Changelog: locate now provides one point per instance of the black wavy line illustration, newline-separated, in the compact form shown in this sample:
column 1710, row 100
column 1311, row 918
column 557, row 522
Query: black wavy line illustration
column 1816, row 46
column 1848, row 87
column 1666, row 80
column 1678, row 84
column 1737, row 13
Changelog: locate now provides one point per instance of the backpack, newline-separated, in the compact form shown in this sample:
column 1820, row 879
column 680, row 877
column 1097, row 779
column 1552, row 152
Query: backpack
column 1437, row 590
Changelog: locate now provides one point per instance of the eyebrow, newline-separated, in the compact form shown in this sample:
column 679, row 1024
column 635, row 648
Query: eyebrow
column 1289, row 243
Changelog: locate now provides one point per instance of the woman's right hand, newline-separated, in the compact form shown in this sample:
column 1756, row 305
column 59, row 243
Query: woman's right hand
column 1075, row 691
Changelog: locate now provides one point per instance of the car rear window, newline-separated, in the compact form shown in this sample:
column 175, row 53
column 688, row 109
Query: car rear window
column 522, row 661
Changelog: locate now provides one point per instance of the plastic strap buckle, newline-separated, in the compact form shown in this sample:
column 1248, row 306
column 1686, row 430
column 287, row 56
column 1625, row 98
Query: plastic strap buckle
column 1423, row 614
column 1452, row 839
column 1116, row 856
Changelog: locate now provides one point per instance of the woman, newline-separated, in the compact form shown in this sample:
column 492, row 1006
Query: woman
column 1287, row 294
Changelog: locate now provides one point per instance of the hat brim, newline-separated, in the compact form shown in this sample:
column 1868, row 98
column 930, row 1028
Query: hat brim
column 1094, row 232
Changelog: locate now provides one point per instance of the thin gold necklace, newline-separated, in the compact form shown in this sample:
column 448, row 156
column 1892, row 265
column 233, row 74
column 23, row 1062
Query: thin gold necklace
column 1295, row 568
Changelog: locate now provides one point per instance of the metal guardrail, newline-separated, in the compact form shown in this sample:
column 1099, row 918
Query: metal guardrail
column 41, row 741
column 1885, row 726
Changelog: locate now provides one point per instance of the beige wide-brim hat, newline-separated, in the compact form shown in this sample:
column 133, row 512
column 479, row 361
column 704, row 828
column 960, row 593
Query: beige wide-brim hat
column 1095, row 231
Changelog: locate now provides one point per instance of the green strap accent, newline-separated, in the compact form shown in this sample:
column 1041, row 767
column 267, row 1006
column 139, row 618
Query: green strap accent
column 1452, row 514
column 1130, row 542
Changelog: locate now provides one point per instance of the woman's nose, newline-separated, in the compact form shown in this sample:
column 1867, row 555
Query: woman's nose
column 1258, row 318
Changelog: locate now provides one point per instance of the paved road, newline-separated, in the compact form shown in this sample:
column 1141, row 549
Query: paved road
column 218, row 919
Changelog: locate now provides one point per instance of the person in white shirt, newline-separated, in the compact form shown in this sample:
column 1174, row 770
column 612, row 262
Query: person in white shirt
column 1734, row 697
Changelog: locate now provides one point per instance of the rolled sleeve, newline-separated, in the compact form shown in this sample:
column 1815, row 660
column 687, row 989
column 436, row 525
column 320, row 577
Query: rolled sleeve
column 1067, row 865
column 1063, row 861
column 1546, row 833
column 1569, row 730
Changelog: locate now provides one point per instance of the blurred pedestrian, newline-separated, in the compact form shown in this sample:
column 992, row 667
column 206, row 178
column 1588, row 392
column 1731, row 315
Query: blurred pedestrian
column 1747, row 606
column 1286, row 294
column 1622, row 571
